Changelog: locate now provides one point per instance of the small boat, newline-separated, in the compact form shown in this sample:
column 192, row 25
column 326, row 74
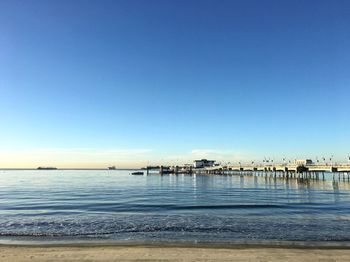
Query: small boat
column 137, row 173
column 111, row 167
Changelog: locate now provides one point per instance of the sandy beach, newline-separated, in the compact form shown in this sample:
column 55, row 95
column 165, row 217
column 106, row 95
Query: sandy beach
column 158, row 253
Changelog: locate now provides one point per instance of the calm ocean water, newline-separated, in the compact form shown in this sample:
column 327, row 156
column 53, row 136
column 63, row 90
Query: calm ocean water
column 116, row 206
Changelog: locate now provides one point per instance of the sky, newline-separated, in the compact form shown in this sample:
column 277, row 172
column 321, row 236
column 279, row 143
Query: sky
column 134, row 82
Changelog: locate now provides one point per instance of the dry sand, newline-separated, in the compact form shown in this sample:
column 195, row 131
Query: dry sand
column 157, row 253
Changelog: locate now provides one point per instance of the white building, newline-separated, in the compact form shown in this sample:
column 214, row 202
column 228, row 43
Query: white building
column 203, row 163
column 303, row 162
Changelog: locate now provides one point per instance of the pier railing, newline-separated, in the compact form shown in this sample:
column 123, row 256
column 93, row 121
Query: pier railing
column 286, row 171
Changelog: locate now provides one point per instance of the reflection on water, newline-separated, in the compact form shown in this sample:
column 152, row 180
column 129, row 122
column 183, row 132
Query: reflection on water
column 117, row 206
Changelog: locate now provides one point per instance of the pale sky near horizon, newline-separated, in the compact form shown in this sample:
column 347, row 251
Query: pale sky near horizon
column 127, row 83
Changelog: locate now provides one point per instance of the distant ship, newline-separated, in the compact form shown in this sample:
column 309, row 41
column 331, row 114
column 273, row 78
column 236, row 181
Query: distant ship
column 111, row 168
column 46, row 168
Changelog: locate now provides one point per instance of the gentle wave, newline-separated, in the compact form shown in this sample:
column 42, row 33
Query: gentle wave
column 128, row 207
column 112, row 207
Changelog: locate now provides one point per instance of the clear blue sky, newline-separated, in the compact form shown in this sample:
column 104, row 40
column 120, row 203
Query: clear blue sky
column 239, row 78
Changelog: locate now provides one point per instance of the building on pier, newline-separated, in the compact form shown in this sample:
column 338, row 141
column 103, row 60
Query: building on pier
column 303, row 162
column 203, row 163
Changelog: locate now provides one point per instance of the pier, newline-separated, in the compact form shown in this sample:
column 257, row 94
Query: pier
column 301, row 172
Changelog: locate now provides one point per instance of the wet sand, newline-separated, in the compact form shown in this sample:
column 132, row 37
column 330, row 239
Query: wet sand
column 159, row 253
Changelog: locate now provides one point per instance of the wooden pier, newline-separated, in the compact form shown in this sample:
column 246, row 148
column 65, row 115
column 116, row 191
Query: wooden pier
column 282, row 171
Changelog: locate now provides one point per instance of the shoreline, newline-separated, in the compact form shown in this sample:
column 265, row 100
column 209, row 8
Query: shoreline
column 190, row 244
column 167, row 253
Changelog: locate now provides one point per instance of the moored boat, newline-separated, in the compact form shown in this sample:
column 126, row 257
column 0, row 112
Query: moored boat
column 137, row 173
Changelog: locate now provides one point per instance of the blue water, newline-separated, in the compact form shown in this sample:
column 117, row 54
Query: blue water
column 116, row 206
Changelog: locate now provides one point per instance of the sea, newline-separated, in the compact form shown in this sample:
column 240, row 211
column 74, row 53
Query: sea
column 97, row 206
